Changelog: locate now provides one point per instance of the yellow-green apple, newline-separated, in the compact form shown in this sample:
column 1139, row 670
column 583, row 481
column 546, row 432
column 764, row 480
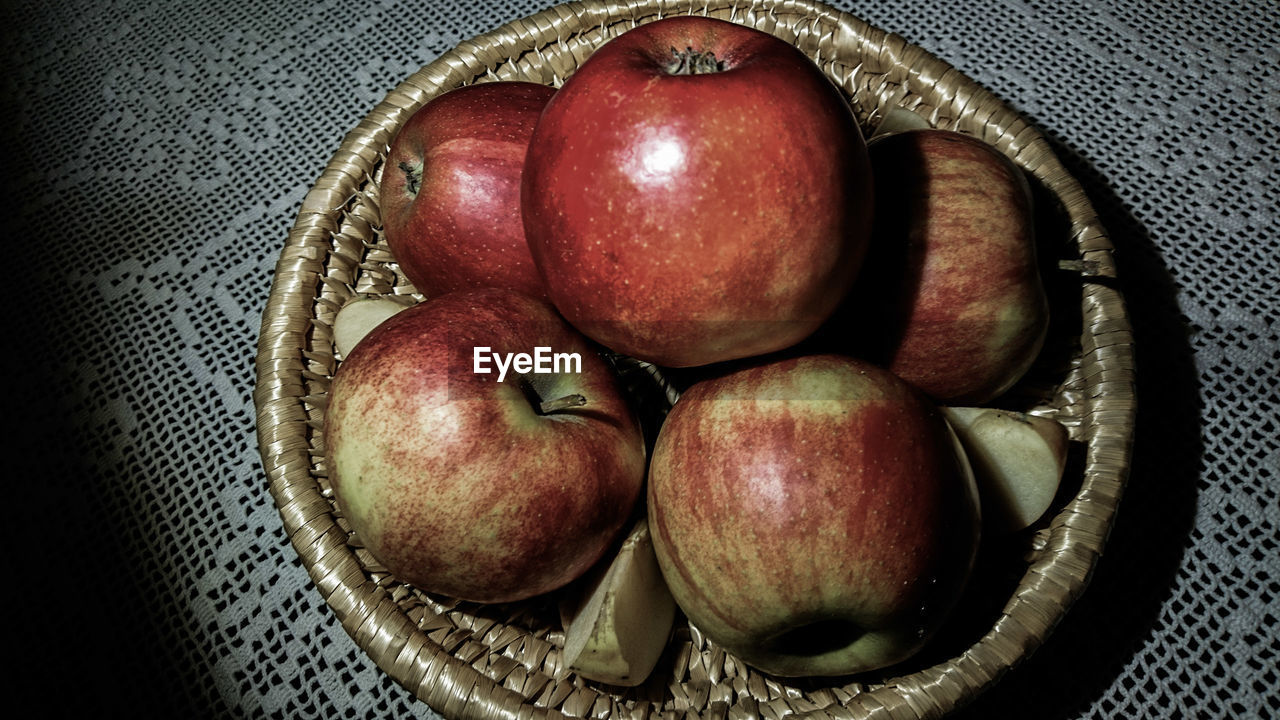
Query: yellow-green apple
column 617, row 625
column 450, row 191
column 481, row 448
column 697, row 191
column 1018, row 460
column 813, row 515
column 358, row 316
column 898, row 119
column 955, row 303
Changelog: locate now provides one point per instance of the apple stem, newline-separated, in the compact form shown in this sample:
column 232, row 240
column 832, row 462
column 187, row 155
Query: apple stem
column 691, row 62
column 412, row 177
column 562, row 403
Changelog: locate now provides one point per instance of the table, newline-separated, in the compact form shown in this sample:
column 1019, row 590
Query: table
column 158, row 153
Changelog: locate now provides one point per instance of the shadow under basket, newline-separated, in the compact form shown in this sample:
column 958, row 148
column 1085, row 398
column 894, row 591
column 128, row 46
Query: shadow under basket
column 505, row 661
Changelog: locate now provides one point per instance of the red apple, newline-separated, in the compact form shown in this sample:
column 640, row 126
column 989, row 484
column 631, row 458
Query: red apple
column 697, row 191
column 450, row 193
column 474, row 487
column 955, row 303
column 812, row 515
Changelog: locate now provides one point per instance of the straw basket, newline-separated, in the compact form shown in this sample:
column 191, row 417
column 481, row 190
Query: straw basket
column 504, row 661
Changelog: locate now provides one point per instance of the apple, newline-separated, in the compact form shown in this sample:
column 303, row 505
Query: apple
column 1018, row 460
column 617, row 625
column 450, row 190
column 697, row 191
column 813, row 515
column 955, row 303
column 357, row 317
column 473, row 487
column 898, row 119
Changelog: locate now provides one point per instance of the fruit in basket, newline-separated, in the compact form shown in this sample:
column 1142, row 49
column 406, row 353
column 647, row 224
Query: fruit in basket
column 617, row 625
column 1018, row 460
column 357, row 317
column 697, row 191
column 899, row 119
column 813, row 515
column 450, row 192
column 955, row 303
column 471, row 487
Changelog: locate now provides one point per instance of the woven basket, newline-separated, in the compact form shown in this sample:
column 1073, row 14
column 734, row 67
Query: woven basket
column 504, row 661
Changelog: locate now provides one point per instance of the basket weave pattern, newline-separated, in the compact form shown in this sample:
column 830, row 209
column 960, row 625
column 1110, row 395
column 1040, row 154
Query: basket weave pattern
column 473, row 661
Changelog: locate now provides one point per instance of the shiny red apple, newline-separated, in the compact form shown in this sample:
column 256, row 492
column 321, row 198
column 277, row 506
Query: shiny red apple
column 697, row 191
column 480, row 447
column 812, row 515
column 450, row 192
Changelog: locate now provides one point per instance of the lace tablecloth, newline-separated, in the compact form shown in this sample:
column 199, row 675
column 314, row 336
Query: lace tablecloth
column 157, row 154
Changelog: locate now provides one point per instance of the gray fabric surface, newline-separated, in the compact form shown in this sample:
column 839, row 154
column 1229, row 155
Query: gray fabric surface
column 156, row 156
